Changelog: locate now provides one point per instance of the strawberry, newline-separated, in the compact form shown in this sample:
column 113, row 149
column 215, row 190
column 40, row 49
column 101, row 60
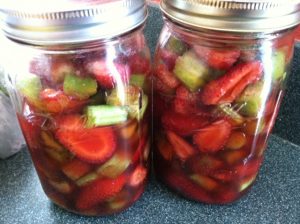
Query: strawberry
column 139, row 64
column 213, row 137
column 161, row 87
column 99, row 191
column 186, row 102
column 182, row 148
column 107, row 74
column 217, row 59
column 76, row 169
column 183, row 125
column 56, row 101
column 229, row 86
column 165, row 148
column 94, row 145
column 138, row 176
column 60, row 69
column 179, row 182
column 162, row 72
column 168, row 58
column 248, row 168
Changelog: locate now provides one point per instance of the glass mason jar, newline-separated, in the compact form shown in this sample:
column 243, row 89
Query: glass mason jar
column 219, row 78
column 78, row 79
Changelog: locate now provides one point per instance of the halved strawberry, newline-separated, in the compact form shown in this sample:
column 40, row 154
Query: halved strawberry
column 248, row 168
column 213, row 137
column 94, row 145
column 138, row 176
column 182, row 148
column 98, row 191
column 161, row 87
column 108, row 75
column 229, row 86
column 56, row 101
column 183, row 125
column 76, row 169
column 182, row 184
column 217, row 59
column 162, row 72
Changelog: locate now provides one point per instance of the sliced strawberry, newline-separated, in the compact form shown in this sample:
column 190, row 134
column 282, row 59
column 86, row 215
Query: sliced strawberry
column 162, row 72
column 249, row 168
column 94, row 145
column 76, row 169
column 56, row 101
column 213, row 137
column 217, row 59
column 139, row 64
column 108, row 75
column 232, row 83
column 99, row 191
column 183, row 125
column 138, row 176
column 186, row 102
column 180, row 182
column 182, row 148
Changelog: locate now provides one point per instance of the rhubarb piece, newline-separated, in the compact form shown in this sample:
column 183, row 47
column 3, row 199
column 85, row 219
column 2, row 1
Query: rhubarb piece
column 176, row 45
column 190, row 71
column 205, row 182
column 87, row 179
column 204, row 164
column 278, row 62
column 76, row 169
column 80, row 87
column 60, row 69
column 254, row 127
column 250, row 101
column 115, row 166
column 62, row 187
column 165, row 149
column 232, row 115
column 213, row 137
column 236, row 140
column 137, row 80
column 103, row 115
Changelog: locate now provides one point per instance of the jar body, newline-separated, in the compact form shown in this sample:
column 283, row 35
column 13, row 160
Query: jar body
column 216, row 96
column 83, row 110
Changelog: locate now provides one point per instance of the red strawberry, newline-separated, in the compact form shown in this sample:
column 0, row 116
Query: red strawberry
column 186, row 102
column 108, row 75
column 217, row 59
column 161, row 87
column 138, row 176
column 248, row 168
column 213, row 137
column 94, row 145
column 182, row 148
column 166, row 76
column 168, row 57
column 139, row 64
column 183, row 185
column 165, row 148
column 76, row 169
column 232, row 83
column 99, row 191
column 56, row 101
column 183, row 124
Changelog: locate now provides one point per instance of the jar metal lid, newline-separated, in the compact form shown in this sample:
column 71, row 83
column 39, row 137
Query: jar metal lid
column 51, row 22
column 234, row 16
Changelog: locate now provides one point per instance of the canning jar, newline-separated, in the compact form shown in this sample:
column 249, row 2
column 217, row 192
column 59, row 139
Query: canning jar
column 77, row 73
column 219, row 77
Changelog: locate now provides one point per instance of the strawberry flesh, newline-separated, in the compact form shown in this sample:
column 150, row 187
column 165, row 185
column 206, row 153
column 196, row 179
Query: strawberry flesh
column 166, row 77
column 98, row 191
column 213, row 137
column 94, row 145
column 183, row 125
column 232, row 83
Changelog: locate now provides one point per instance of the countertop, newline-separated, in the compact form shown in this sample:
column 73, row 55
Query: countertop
column 274, row 198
